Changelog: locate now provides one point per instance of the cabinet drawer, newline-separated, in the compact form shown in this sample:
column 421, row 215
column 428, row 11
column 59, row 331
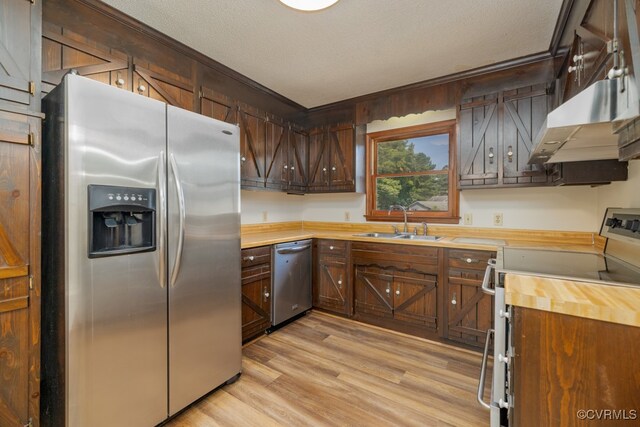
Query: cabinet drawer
column 256, row 256
column 332, row 247
column 469, row 259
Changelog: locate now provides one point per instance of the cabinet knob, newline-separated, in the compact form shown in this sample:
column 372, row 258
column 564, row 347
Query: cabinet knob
column 491, row 155
column 141, row 88
column 330, row 248
column 510, row 153
column 397, row 291
column 267, row 294
column 388, row 290
column 243, row 158
column 119, row 82
column 286, row 167
column 292, row 167
column 249, row 258
column 453, row 300
column 324, row 169
column 469, row 260
column 340, row 282
column 333, row 168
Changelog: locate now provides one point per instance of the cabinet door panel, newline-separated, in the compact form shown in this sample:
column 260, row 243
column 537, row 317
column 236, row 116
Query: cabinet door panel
column 276, row 155
column 298, row 159
column 256, row 300
column 373, row 288
column 469, row 309
column 341, row 140
column 158, row 83
column 218, row 106
column 252, row 148
column 319, row 157
column 16, row 46
column 415, row 299
column 478, row 138
column 64, row 50
column 525, row 110
column 332, row 283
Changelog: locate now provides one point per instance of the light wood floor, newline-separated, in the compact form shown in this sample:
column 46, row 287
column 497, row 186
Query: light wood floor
column 327, row 371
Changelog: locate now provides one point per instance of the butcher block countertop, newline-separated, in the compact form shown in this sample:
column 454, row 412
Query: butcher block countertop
column 269, row 234
column 609, row 303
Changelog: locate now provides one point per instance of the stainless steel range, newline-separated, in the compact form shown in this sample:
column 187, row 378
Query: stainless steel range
column 619, row 265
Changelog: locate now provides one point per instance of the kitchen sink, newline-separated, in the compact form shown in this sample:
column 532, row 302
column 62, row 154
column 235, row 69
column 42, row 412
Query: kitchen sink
column 380, row 235
column 421, row 237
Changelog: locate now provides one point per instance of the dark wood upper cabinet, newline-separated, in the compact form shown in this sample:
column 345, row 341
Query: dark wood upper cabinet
column 20, row 55
column 218, row 106
column 64, row 50
column 332, row 159
column 252, row 147
column 159, row 83
column 277, row 174
column 495, row 137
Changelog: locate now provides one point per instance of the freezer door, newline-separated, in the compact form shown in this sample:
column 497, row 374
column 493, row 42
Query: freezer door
column 116, row 306
column 204, row 255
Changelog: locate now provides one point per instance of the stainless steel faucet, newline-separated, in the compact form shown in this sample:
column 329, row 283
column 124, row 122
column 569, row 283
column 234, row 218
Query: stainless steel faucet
column 404, row 211
column 424, row 228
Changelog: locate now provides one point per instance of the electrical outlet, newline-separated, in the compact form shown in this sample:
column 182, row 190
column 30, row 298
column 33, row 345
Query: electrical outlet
column 497, row 219
column 265, row 216
column 468, row 219
column 347, row 216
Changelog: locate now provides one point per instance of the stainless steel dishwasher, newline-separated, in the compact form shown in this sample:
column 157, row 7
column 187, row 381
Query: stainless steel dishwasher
column 291, row 280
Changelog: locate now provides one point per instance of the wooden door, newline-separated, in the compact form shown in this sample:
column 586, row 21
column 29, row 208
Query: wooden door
column 319, row 160
column 20, row 54
column 341, row 163
column 64, row 50
column 276, row 154
column 159, row 83
column 298, row 159
column 525, row 110
column 18, row 337
column 478, row 141
column 252, row 147
column 469, row 309
column 256, row 300
column 373, row 291
column 218, row 106
column 415, row 299
column 332, row 291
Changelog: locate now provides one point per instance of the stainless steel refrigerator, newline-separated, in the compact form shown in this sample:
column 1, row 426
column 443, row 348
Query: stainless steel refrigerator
column 141, row 257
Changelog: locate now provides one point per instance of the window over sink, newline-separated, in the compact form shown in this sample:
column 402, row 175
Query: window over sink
column 413, row 167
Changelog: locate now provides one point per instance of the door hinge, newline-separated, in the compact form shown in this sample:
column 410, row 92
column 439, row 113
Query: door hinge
column 30, row 423
column 31, row 138
column 31, row 283
column 32, row 88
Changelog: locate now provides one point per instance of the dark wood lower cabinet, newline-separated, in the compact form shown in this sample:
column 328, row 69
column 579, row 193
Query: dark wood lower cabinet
column 256, row 291
column 396, row 287
column 332, row 289
column 469, row 311
column 565, row 364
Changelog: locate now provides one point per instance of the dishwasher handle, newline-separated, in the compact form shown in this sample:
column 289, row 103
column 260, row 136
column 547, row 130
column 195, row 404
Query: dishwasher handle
column 285, row 251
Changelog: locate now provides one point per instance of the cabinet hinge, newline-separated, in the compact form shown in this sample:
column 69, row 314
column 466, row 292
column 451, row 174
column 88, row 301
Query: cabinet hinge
column 200, row 95
column 31, row 283
column 30, row 423
column 32, row 88
column 31, row 138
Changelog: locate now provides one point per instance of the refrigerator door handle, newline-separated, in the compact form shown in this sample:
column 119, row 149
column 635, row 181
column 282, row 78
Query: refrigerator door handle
column 182, row 213
column 162, row 219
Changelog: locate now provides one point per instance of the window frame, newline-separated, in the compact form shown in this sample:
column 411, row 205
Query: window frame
column 373, row 139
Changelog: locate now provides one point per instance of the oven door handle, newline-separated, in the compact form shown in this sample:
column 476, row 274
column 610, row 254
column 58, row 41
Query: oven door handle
column 491, row 264
column 483, row 369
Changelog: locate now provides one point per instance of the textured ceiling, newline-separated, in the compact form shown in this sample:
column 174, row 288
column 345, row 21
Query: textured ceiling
column 355, row 47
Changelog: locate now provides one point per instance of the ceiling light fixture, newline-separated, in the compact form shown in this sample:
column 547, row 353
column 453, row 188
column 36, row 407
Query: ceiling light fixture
column 309, row 5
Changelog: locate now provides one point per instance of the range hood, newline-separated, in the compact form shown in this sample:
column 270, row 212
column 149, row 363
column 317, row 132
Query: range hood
column 583, row 127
